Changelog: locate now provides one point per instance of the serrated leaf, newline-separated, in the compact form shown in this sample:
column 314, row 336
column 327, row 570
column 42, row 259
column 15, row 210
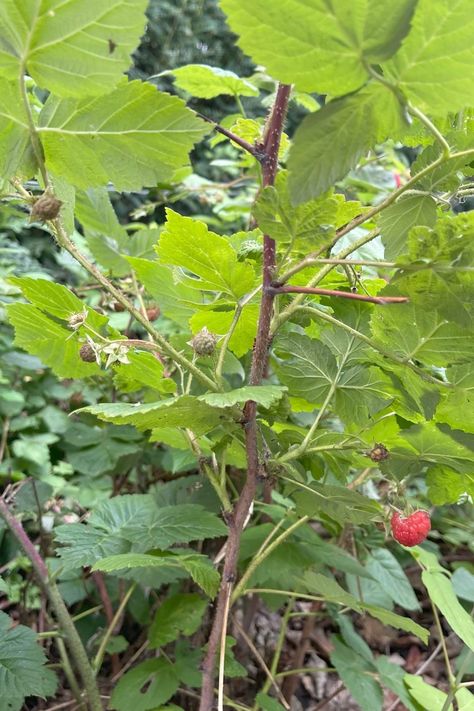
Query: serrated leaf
column 178, row 614
column 176, row 300
column 306, row 226
column 385, row 568
column 357, row 675
column 330, row 590
column 337, row 502
column 134, row 523
column 90, row 141
column 402, row 623
column 392, row 676
column 398, row 219
column 329, row 143
column 189, row 245
column 143, row 370
column 206, row 82
column 265, row 395
column 434, row 64
column 316, row 47
column 429, row 697
column 198, row 566
column 73, row 48
column 184, row 411
column 22, row 664
column 309, row 367
column 41, row 336
column 411, row 332
column 16, row 153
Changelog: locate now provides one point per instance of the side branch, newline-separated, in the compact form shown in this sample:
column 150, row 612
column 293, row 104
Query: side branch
column 334, row 292
column 255, row 151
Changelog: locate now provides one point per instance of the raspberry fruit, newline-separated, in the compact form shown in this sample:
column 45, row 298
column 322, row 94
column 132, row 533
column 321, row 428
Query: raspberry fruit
column 410, row 530
column 87, row 353
column 204, row 343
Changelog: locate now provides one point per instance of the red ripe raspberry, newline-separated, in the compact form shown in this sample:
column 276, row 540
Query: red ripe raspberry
column 410, row 530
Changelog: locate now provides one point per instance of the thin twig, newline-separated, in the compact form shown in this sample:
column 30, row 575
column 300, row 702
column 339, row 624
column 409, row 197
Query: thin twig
column 253, row 150
column 262, row 664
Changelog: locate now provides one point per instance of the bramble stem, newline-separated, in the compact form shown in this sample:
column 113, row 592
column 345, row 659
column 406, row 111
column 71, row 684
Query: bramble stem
column 66, row 624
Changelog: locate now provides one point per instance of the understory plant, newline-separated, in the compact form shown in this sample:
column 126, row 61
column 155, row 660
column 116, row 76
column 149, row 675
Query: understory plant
column 266, row 366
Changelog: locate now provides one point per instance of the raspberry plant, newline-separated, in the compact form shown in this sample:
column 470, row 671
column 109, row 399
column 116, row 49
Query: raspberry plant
column 311, row 361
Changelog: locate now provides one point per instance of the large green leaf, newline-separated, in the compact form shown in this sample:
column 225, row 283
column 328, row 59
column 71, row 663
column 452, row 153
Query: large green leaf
column 385, row 568
column 189, row 245
column 319, row 46
column 134, row 523
column 410, row 331
column 72, row 48
column 442, row 594
column 198, row 566
column 184, row 411
column 434, row 64
column 39, row 335
column 398, row 219
column 133, row 136
column 457, row 406
column 357, row 674
column 146, row 686
column 306, row 226
column 206, row 82
column 308, row 369
column 337, row 502
column 22, row 665
column 16, row 153
column 265, row 395
column 330, row 142
column 178, row 614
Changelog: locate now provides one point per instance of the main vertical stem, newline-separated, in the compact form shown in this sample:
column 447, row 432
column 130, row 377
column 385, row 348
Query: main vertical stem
column 236, row 521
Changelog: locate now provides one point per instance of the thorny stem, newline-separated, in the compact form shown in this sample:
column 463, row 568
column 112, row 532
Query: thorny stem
column 253, row 150
column 66, row 624
column 243, row 505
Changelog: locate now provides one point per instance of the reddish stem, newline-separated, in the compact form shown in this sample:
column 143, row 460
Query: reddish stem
column 274, row 290
column 238, row 517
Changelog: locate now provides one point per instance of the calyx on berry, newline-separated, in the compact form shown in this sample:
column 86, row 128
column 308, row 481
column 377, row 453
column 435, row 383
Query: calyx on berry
column 204, row 342
column 46, row 208
column 410, row 530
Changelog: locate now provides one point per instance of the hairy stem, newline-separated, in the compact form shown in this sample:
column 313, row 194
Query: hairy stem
column 241, row 510
column 73, row 641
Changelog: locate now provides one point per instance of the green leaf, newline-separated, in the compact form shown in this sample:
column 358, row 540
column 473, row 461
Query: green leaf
column 384, row 567
column 392, row 676
column 265, row 395
column 184, row 411
column 398, row 219
column 176, row 300
column 134, row 523
column 206, row 82
column 198, row 566
column 189, row 245
column 432, row 445
column 267, row 703
column 434, row 64
column 16, row 153
column 88, row 141
column 309, row 370
column 357, row 674
column 463, row 584
column 178, row 614
column 329, row 143
column 22, row 664
column 73, row 48
column 410, row 331
column 144, row 370
column 429, row 697
column 306, row 226
column 337, row 502
column 391, row 618
column 146, row 686
column 41, row 336
column 441, row 592
column 319, row 47
column 330, row 590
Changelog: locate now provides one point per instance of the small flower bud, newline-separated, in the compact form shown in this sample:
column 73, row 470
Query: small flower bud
column 47, row 207
column 204, row 342
column 379, row 453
